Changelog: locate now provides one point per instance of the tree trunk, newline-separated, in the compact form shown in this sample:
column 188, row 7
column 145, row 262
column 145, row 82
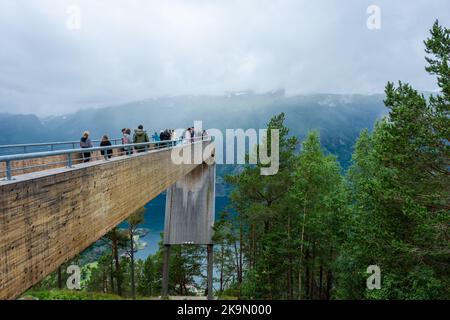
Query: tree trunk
column 237, row 263
column 329, row 284
column 221, row 266
column 266, row 263
column 320, row 281
column 312, row 280
column 111, row 276
column 241, row 248
column 105, row 282
column 60, row 278
column 133, row 284
column 269, row 281
column 117, row 261
column 253, row 248
column 289, row 271
column 307, row 276
column 302, row 238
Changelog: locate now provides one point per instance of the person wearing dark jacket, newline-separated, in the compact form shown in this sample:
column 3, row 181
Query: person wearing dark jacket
column 165, row 136
column 85, row 143
column 140, row 136
column 106, row 143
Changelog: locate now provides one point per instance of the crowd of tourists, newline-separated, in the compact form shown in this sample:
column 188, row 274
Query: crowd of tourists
column 139, row 141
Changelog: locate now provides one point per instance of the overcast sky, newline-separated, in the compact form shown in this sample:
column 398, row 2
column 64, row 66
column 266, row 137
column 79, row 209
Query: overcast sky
column 133, row 50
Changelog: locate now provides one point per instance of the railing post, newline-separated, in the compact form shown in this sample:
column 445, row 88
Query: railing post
column 69, row 160
column 8, row 170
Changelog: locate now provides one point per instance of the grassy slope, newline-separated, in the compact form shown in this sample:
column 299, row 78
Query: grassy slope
column 68, row 295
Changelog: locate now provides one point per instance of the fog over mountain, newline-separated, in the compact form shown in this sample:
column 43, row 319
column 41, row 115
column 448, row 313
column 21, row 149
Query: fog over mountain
column 339, row 118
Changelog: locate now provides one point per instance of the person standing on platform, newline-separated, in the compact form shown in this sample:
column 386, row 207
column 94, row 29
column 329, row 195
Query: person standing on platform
column 85, row 143
column 106, row 143
column 140, row 136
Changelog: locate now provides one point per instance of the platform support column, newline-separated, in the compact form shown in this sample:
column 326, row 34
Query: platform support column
column 165, row 280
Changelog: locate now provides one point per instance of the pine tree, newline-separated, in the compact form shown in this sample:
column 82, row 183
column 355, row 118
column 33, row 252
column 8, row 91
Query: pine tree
column 320, row 203
column 259, row 201
column 118, row 240
column 401, row 190
column 147, row 277
column 133, row 221
column 226, row 256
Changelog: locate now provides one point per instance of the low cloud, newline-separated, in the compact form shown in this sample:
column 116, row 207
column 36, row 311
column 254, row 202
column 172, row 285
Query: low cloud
column 134, row 50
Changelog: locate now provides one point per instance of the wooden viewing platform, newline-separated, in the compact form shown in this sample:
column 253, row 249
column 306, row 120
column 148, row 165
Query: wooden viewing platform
column 48, row 217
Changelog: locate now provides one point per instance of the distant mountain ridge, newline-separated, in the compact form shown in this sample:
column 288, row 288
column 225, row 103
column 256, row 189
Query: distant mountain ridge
column 22, row 128
column 339, row 118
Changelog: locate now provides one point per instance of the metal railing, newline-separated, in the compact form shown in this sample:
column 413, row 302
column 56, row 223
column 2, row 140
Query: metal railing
column 26, row 148
column 124, row 149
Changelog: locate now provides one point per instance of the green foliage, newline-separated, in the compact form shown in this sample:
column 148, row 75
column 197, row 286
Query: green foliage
column 186, row 264
column 302, row 207
column 260, row 202
column 320, row 198
column 98, row 275
column 133, row 221
column 70, row 295
column 400, row 190
column 226, row 255
column 147, row 277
